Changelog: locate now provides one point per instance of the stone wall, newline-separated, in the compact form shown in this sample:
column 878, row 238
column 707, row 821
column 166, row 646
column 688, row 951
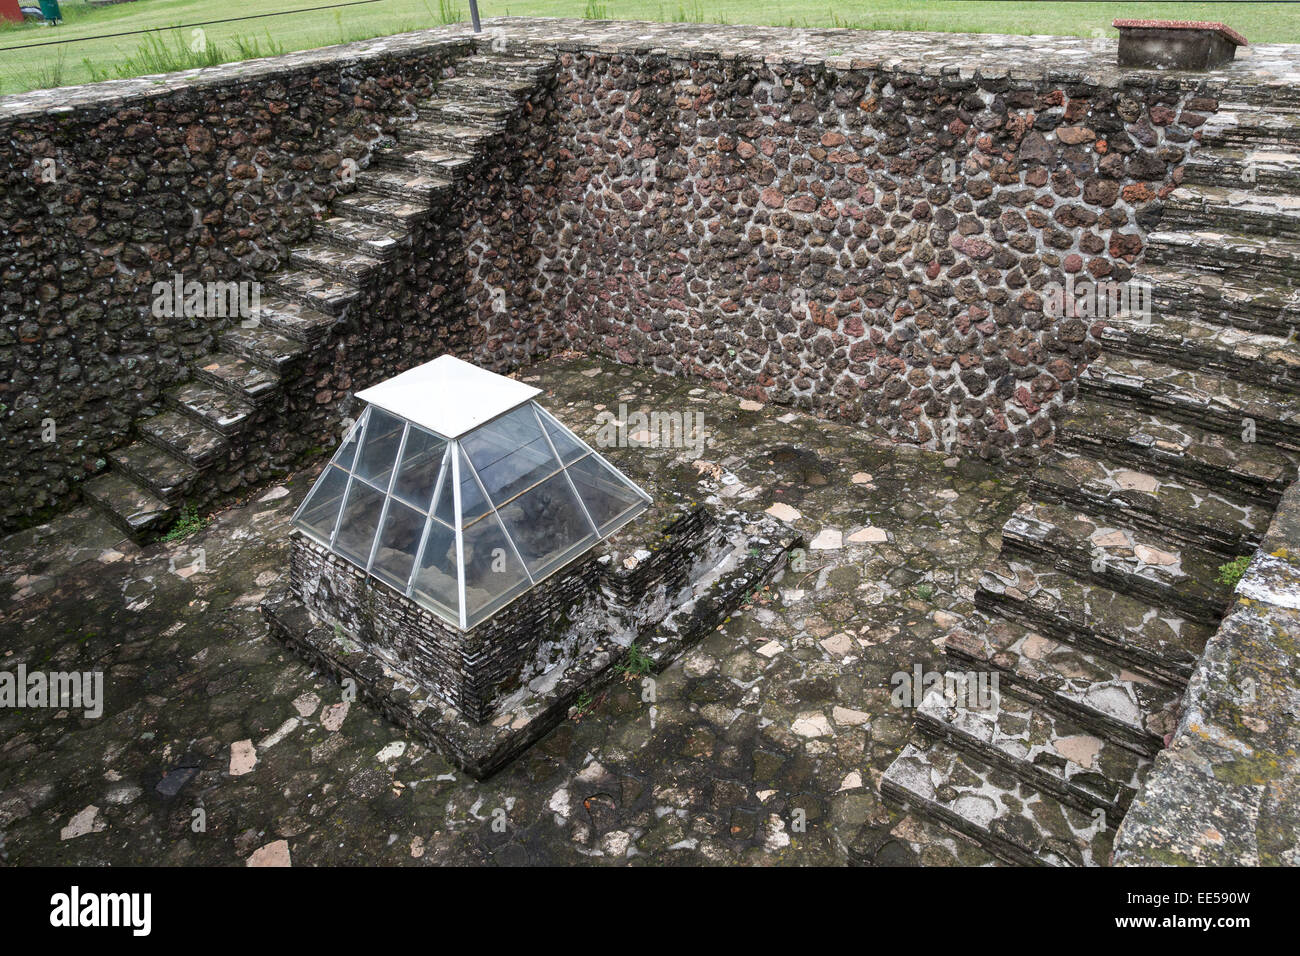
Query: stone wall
column 861, row 224
column 216, row 177
column 868, row 243
column 215, row 181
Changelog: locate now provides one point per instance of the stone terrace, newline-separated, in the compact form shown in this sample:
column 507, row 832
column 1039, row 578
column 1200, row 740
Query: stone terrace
column 785, row 707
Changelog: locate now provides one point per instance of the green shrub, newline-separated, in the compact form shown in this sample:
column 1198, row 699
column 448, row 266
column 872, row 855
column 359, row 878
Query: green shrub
column 1231, row 572
column 635, row 662
column 187, row 522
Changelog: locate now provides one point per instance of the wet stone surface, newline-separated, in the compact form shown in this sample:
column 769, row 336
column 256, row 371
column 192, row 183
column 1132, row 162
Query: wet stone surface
column 764, row 743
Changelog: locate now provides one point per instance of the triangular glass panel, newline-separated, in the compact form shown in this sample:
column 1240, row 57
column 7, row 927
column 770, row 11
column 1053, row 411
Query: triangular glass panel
column 510, row 454
column 494, row 575
column 610, row 500
column 348, row 450
column 320, row 511
column 567, row 445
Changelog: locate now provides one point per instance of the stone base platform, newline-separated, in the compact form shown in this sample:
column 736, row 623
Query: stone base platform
column 739, row 556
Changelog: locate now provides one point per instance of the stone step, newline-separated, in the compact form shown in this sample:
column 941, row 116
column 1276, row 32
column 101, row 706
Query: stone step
column 1181, row 580
column 263, row 346
column 182, row 436
column 164, row 475
column 1232, row 210
column 1274, row 262
column 378, row 208
column 1212, row 459
column 454, row 112
column 315, row 290
column 1012, row 820
column 349, row 265
column 1205, row 399
column 1269, row 360
column 210, row 406
column 507, row 67
column 238, row 376
column 1256, row 168
column 428, row 160
column 1240, row 124
column 1047, row 750
column 1099, row 695
column 1095, row 618
column 130, row 506
column 379, row 242
column 488, row 90
column 294, row 320
column 1223, row 299
column 412, row 185
column 1151, row 501
column 466, row 139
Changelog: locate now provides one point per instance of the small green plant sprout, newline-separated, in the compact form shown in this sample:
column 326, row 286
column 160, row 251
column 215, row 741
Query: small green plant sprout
column 635, row 663
column 583, row 705
column 1231, row 572
column 187, row 522
column 924, row 591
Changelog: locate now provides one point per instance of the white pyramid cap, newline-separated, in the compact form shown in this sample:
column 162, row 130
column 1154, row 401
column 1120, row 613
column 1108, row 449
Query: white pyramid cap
column 448, row 396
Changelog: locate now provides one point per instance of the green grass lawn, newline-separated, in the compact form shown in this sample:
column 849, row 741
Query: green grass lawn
column 170, row 49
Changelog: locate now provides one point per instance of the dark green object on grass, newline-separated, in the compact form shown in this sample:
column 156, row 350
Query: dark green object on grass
column 50, row 11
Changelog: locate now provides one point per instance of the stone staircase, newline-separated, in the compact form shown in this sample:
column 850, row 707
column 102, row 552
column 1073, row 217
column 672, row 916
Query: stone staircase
column 1170, row 464
column 191, row 450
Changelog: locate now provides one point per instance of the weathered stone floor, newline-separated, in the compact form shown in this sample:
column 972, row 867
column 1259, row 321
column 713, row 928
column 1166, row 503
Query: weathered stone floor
column 785, row 708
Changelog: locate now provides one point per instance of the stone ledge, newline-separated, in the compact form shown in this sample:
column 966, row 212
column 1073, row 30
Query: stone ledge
column 120, row 94
column 960, row 56
column 1227, row 791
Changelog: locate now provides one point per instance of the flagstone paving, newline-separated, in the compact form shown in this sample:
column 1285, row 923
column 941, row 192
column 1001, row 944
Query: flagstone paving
column 763, row 744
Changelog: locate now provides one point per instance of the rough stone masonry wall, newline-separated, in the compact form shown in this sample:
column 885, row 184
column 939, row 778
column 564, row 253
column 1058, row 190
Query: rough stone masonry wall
column 866, row 242
column 216, row 176
column 855, row 222
column 214, row 180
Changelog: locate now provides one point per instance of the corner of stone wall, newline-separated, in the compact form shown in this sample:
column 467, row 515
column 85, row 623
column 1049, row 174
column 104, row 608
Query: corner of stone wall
column 1227, row 791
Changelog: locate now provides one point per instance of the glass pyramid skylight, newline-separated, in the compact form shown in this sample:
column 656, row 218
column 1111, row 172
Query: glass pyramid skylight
column 457, row 490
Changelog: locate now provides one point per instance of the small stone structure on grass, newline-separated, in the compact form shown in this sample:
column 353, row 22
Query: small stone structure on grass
column 1176, row 44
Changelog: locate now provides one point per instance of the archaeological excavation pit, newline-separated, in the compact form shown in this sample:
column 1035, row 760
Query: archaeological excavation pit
column 840, row 247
